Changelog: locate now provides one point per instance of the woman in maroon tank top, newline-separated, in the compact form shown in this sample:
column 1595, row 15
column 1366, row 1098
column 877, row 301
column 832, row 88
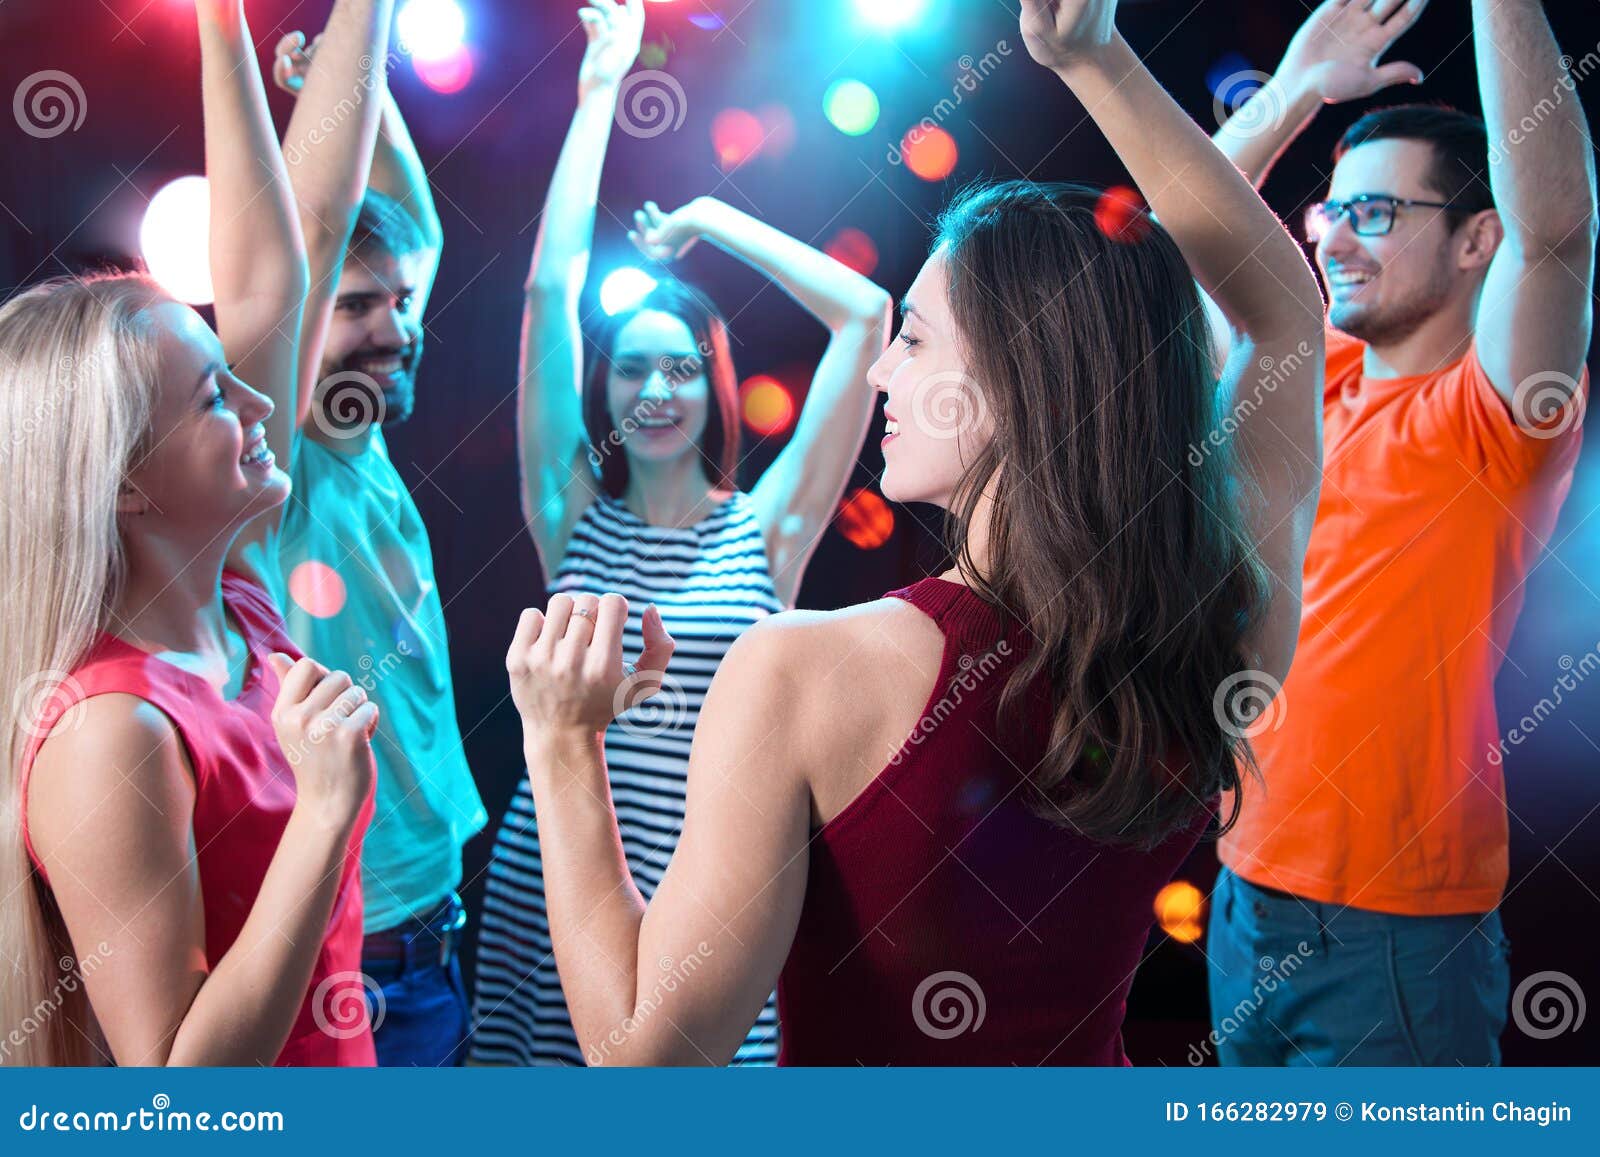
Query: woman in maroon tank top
column 939, row 820
column 182, row 797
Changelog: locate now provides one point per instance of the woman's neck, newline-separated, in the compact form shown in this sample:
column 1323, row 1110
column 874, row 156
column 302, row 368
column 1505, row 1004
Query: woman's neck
column 172, row 598
column 673, row 493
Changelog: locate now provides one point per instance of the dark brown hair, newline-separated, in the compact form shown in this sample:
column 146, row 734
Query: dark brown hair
column 719, row 443
column 1129, row 563
column 1459, row 172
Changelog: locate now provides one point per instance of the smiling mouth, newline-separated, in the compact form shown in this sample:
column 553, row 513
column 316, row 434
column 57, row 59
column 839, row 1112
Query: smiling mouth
column 1350, row 278
column 388, row 364
column 256, row 451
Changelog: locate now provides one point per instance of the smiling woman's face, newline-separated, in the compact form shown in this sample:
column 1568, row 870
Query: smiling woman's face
column 207, row 469
column 656, row 387
column 939, row 420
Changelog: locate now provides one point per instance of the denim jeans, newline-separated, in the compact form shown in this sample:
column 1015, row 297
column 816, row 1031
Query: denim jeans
column 423, row 1019
column 1297, row 982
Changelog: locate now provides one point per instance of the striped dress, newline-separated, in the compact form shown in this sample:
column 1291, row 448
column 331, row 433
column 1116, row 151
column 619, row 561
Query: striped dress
column 710, row 583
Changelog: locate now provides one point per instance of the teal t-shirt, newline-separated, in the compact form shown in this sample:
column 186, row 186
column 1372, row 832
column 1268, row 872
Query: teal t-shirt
column 358, row 594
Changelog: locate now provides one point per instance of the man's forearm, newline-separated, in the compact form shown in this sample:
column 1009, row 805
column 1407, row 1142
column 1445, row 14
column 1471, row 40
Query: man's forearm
column 1541, row 168
column 398, row 171
column 1265, row 126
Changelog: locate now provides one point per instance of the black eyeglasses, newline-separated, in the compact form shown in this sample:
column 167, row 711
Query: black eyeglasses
column 1371, row 214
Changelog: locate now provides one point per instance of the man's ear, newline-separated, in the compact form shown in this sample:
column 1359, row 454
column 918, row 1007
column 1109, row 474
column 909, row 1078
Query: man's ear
column 1482, row 233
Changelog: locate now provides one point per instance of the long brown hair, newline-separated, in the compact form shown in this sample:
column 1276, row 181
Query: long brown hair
column 719, row 442
column 1128, row 560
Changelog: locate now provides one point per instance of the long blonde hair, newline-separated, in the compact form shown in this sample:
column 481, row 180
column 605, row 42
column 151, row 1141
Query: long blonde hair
column 79, row 366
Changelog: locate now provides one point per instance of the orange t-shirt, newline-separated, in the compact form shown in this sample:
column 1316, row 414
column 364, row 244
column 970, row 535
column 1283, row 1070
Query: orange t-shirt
column 1380, row 791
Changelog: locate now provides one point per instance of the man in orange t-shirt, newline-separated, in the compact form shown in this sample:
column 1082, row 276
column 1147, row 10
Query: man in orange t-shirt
column 1363, row 877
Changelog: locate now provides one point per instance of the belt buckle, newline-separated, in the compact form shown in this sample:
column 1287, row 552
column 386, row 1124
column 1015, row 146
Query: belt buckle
column 448, row 934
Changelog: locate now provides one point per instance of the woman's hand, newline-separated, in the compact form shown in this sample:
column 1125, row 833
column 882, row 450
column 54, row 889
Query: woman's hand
column 325, row 723
column 566, row 667
column 1059, row 33
column 1335, row 53
column 615, row 29
column 291, row 60
column 666, row 237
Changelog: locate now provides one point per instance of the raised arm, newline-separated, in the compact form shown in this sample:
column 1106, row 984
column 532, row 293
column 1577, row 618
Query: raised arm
column 557, row 481
column 398, row 171
column 257, row 255
column 682, row 981
column 1536, row 313
column 1243, row 258
column 329, row 145
column 396, row 168
column 796, row 497
column 1333, row 58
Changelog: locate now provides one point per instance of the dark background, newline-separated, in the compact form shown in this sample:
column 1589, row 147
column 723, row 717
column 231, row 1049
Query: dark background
column 75, row 201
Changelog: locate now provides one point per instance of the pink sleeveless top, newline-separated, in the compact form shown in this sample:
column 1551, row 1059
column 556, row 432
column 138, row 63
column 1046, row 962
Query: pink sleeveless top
column 944, row 922
column 244, row 792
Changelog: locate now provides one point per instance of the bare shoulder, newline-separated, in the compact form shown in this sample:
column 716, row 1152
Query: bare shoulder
column 837, row 683
column 111, row 764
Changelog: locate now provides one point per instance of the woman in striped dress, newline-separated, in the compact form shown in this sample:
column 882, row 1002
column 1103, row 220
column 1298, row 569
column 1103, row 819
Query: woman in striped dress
column 628, row 486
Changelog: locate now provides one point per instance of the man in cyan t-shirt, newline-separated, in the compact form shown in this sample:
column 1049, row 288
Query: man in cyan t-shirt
column 358, row 584
column 1355, row 921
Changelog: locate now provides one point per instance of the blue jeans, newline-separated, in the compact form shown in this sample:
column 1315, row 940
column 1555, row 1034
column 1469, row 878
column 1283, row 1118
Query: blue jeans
column 1297, row 982
column 423, row 1018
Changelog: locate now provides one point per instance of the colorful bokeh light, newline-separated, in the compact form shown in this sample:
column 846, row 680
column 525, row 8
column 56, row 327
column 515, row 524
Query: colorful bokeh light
column 851, row 107
column 766, row 404
column 865, row 519
column 930, row 152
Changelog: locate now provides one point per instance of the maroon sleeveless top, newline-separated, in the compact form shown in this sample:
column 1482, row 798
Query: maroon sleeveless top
column 243, row 793
column 944, row 923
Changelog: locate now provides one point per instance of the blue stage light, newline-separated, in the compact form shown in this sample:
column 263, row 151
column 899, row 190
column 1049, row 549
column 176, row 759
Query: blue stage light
column 890, row 13
column 624, row 288
column 431, row 29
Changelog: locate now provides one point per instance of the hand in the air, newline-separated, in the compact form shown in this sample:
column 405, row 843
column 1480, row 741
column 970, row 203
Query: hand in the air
column 1335, row 53
column 615, row 29
column 566, row 667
